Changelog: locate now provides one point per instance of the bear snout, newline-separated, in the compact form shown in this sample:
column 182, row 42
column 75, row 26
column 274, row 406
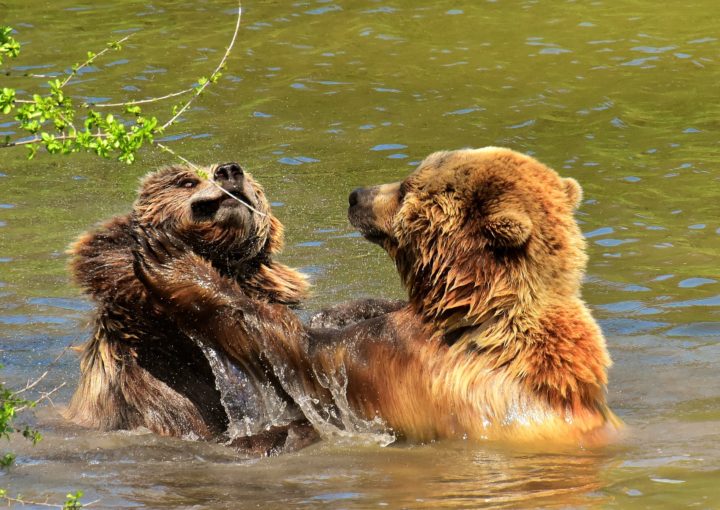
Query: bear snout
column 362, row 197
column 361, row 205
column 354, row 197
column 231, row 173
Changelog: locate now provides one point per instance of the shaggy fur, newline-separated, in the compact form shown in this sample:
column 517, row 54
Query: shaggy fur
column 501, row 344
column 495, row 341
column 139, row 369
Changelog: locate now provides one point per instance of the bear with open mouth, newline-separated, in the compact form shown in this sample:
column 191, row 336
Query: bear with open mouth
column 494, row 342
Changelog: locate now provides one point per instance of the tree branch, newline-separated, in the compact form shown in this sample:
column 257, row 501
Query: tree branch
column 141, row 101
column 202, row 87
column 90, row 60
column 10, row 74
column 113, row 128
column 38, row 140
column 43, row 396
column 31, row 384
column 38, row 503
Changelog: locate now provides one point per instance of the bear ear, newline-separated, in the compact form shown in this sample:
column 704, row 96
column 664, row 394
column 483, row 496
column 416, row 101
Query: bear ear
column 573, row 191
column 508, row 229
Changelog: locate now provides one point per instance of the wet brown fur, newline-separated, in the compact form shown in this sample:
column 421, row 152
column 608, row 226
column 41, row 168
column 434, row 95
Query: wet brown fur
column 139, row 369
column 495, row 341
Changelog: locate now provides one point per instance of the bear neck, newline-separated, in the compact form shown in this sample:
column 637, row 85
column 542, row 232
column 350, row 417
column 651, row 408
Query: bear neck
column 468, row 293
column 541, row 334
column 238, row 269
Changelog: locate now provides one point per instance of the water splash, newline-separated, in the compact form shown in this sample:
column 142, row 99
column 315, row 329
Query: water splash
column 252, row 406
column 336, row 420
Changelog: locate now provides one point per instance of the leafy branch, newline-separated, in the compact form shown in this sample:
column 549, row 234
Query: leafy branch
column 12, row 403
column 72, row 501
column 49, row 119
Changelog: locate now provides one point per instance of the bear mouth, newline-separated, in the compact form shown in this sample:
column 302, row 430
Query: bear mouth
column 209, row 208
column 233, row 201
column 363, row 219
column 374, row 236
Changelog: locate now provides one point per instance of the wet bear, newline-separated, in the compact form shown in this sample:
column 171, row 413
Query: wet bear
column 139, row 368
column 495, row 341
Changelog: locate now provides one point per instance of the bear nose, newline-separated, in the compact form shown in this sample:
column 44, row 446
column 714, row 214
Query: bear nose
column 354, row 197
column 228, row 172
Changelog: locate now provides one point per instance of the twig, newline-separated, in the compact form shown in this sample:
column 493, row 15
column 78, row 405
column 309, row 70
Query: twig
column 90, row 60
column 43, row 396
column 140, row 101
column 26, row 502
column 38, row 503
column 38, row 140
column 200, row 89
column 200, row 171
column 67, row 122
column 31, row 384
column 28, row 75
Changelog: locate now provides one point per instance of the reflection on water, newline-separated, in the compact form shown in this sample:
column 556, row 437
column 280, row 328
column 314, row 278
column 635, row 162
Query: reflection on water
column 321, row 97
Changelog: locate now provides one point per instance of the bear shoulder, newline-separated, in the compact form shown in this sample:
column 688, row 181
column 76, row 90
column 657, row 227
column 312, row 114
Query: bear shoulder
column 102, row 261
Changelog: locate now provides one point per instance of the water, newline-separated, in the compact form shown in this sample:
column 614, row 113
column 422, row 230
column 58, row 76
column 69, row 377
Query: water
column 251, row 406
column 321, row 97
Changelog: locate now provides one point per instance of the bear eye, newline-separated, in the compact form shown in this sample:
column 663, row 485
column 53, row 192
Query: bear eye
column 188, row 183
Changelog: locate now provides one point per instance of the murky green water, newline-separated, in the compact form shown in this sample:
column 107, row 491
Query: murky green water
column 321, row 97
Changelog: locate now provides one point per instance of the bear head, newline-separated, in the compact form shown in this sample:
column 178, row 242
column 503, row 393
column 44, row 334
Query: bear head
column 225, row 218
column 477, row 234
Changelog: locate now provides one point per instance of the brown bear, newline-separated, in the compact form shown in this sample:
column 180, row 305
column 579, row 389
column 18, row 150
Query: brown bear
column 486, row 243
column 139, row 369
column 495, row 341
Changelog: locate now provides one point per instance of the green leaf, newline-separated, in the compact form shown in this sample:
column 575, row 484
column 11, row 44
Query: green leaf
column 32, row 150
column 9, row 47
column 72, row 501
column 7, row 460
